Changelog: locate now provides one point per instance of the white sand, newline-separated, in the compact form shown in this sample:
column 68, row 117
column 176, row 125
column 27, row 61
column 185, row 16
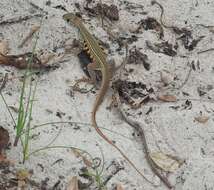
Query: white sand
column 172, row 131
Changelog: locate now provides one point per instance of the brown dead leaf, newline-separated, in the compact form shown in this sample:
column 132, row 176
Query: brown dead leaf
column 86, row 161
column 73, row 184
column 4, row 47
column 119, row 187
column 202, row 119
column 4, row 139
column 166, row 162
column 167, row 98
column 22, row 61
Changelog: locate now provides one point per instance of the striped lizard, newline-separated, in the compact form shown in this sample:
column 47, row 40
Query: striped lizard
column 99, row 63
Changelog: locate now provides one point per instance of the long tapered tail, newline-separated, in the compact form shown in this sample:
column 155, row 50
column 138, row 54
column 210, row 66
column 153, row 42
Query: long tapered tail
column 94, row 124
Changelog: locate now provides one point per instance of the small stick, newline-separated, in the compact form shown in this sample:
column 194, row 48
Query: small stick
column 141, row 132
column 19, row 19
column 174, row 28
column 4, row 82
column 102, row 13
column 162, row 12
column 207, row 50
column 30, row 34
column 37, row 7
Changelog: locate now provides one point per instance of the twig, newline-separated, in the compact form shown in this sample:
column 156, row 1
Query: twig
column 174, row 28
column 207, row 50
column 4, row 82
column 19, row 19
column 141, row 132
column 210, row 28
column 102, row 13
column 162, row 12
column 37, row 7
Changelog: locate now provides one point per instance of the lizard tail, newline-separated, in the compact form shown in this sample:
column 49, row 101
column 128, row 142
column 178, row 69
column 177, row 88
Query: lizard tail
column 94, row 124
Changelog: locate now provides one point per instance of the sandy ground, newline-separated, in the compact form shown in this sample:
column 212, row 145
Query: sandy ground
column 170, row 127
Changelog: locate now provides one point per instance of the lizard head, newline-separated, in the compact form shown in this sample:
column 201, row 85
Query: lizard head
column 72, row 18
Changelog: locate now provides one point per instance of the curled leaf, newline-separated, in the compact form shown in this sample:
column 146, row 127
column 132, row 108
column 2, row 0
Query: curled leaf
column 4, row 47
column 73, row 184
column 22, row 61
column 167, row 98
column 166, row 162
column 202, row 119
column 119, row 187
column 79, row 154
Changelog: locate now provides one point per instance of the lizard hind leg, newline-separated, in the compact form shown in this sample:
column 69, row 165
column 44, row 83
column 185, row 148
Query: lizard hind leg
column 92, row 68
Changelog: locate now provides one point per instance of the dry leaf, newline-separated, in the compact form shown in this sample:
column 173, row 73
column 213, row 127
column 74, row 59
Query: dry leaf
column 73, row 184
column 4, row 47
column 22, row 61
column 76, row 153
column 165, row 162
column 86, row 161
column 167, row 98
column 202, row 119
column 119, row 187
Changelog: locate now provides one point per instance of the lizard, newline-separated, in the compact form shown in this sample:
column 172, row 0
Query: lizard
column 99, row 63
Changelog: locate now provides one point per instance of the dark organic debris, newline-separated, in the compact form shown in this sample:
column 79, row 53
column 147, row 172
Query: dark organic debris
column 4, row 139
column 132, row 7
column 60, row 7
column 22, row 61
column 109, row 11
column 187, row 105
column 163, row 47
column 125, row 39
column 201, row 91
column 188, row 41
column 150, row 24
column 137, row 57
column 19, row 19
column 130, row 92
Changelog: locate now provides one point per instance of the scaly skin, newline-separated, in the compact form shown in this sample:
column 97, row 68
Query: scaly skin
column 99, row 63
